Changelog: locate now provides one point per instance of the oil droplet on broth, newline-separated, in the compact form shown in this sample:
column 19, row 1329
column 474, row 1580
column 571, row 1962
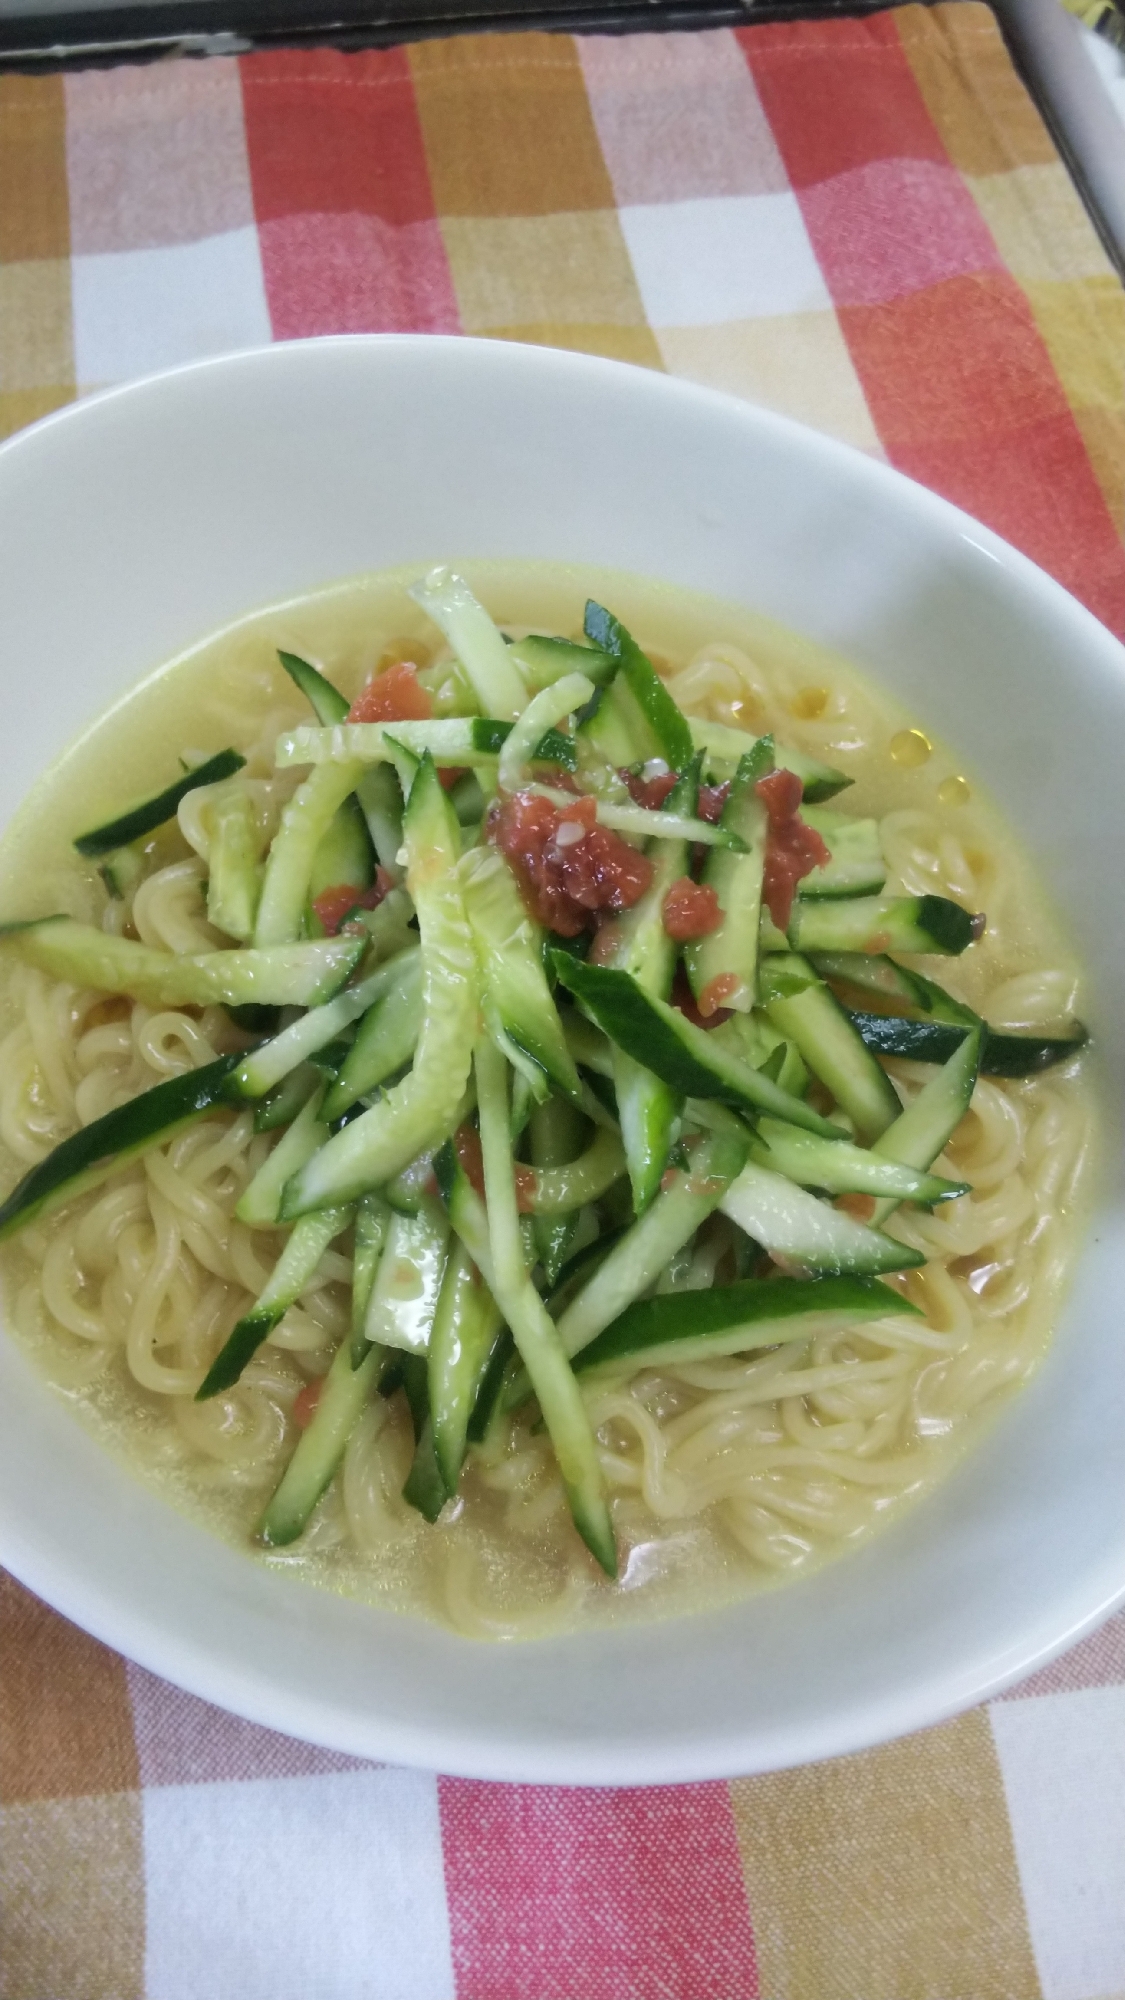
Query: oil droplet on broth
column 808, row 703
column 954, row 792
column 910, row 748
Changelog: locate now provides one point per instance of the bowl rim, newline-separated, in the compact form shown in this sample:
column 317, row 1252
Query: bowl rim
column 202, row 1670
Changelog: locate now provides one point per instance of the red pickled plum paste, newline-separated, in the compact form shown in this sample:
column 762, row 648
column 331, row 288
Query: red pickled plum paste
column 568, row 867
column 710, row 802
column 395, row 695
column 333, row 905
column 691, row 910
column 649, row 791
column 793, row 849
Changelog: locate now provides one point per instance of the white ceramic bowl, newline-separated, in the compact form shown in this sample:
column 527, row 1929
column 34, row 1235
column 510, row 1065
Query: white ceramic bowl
column 134, row 524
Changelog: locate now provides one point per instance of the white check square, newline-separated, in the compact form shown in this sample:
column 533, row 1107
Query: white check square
column 1062, row 1757
column 321, row 1888
column 728, row 257
column 136, row 311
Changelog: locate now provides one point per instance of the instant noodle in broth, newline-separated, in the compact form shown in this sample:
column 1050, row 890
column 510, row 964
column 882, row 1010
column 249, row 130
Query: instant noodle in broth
column 725, row 1471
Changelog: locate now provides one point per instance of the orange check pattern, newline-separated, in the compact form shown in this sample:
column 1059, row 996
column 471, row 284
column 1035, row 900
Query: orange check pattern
column 864, row 224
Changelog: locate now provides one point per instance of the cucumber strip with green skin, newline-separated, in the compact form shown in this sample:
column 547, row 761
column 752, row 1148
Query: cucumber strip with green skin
column 490, row 1395
column 754, row 1038
column 926, row 1126
column 581, row 1267
column 234, row 877
column 298, row 975
column 304, row 823
column 410, row 1190
column 400, row 1310
column 644, row 1250
column 645, row 825
column 837, row 1167
column 682, row 1327
column 473, row 742
column 121, row 871
column 469, row 804
column 883, row 923
column 546, row 709
column 685, row 1056
column 468, row 1216
column 496, row 680
column 561, row 1190
column 805, row 1235
column 424, row 1488
column 724, row 748
column 330, row 1059
column 804, row 1009
column 419, row 1111
column 648, row 1109
column 466, row 1329
column 320, row 1448
column 730, row 953
column 83, row 1160
column 380, row 800
column 345, row 857
column 875, row 973
column 293, row 1271
column 386, row 1038
column 259, row 1205
column 856, row 866
column 542, row 660
column 265, row 1066
column 656, row 726
column 372, row 1222
column 408, row 1372
column 935, row 1041
column 556, row 1140
column 519, row 1010
column 533, row 1330
column 524, row 1101
column 151, row 813
column 646, row 1106
column 326, row 701
column 281, row 1106
column 388, row 925
column 589, row 1046
column 612, row 730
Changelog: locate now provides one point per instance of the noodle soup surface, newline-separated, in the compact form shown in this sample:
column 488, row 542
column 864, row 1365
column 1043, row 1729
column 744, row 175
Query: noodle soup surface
column 725, row 1474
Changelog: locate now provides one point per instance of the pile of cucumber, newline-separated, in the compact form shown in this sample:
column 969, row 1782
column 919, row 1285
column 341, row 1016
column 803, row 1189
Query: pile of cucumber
column 523, row 1144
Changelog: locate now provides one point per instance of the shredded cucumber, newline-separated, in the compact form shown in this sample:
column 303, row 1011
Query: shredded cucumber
column 404, row 1297
column 419, row 1111
column 518, row 1008
column 643, row 1251
column 319, row 1450
column 804, row 1235
column 295, row 1267
column 387, row 1035
column 235, row 874
column 299, row 975
column 304, row 823
column 258, row 1072
column 447, row 599
column 260, row 1202
column 466, row 1329
column 533, row 1329
column 85, row 1159
column 551, row 706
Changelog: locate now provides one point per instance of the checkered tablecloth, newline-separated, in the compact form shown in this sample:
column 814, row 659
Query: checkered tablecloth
column 862, row 223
